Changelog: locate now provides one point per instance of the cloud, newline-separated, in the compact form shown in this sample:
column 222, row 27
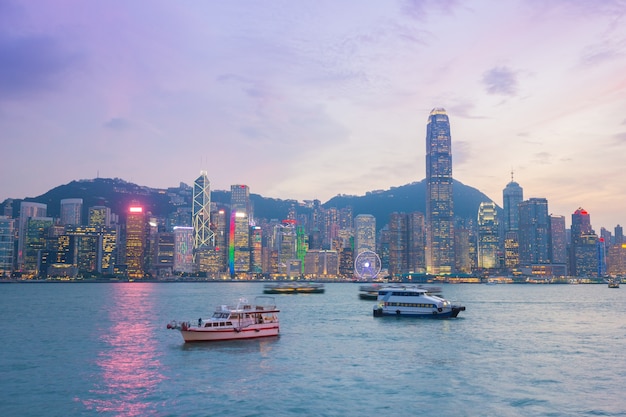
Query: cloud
column 31, row 65
column 500, row 81
column 117, row 123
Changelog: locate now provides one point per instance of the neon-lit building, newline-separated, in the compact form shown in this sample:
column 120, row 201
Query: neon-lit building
column 136, row 236
column 183, row 249
column 201, row 213
column 239, row 231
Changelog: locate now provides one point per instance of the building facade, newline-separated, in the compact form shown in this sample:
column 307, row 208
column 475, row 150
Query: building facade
column 440, row 257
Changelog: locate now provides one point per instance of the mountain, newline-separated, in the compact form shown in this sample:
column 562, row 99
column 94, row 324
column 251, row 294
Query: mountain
column 119, row 194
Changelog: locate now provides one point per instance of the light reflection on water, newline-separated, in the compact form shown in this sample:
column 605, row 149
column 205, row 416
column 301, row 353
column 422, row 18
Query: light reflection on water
column 129, row 358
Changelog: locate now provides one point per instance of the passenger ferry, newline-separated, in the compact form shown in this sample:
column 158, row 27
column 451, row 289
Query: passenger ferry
column 243, row 321
column 294, row 288
column 413, row 301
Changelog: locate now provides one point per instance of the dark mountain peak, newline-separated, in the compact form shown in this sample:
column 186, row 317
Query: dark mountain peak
column 119, row 194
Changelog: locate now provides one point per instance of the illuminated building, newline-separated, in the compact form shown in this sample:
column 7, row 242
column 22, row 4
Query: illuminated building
column 71, row 211
column 364, row 233
column 256, row 241
column 398, row 244
column 534, row 235
column 7, row 240
column 619, row 235
column 99, row 216
column 558, row 240
column 35, row 241
column 439, row 201
column 511, row 249
column 616, row 260
column 321, row 264
column 27, row 210
column 239, row 232
column 488, row 239
column 201, row 213
column 183, row 249
column 136, row 236
column 512, row 195
column 239, row 243
column 586, row 259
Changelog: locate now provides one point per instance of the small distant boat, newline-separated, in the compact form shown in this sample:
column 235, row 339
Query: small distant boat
column 492, row 282
column 369, row 292
column 294, row 288
column 413, row 301
column 243, row 321
column 614, row 283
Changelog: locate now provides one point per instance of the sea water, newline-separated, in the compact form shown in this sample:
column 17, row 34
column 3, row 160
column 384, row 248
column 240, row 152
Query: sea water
column 518, row 350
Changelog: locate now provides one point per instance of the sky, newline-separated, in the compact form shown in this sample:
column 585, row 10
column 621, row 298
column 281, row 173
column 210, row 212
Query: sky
column 309, row 99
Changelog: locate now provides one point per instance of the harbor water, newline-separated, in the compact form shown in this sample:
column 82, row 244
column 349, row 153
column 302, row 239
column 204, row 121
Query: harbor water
column 518, row 350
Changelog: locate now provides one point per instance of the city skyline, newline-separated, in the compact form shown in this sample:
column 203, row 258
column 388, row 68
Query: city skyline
column 258, row 94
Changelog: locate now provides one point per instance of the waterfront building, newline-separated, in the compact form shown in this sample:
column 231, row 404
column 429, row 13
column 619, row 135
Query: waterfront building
column 164, row 260
column 7, row 241
column 398, row 244
column 28, row 210
column 201, row 213
column 440, row 257
column 183, row 249
column 256, row 246
column 585, row 258
column 619, row 235
column 511, row 250
column 558, row 240
column 36, row 241
column 239, row 231
column 534, row 236
column 136, row 242
column 464, row 250
column 71, row 211
column 488, row 239
column 364, row 233
column 616, row 260
column 416, row 242
column 321, row 264
column 512, row 195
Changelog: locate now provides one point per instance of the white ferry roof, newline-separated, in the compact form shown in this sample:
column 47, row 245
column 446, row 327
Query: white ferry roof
column 416, row 290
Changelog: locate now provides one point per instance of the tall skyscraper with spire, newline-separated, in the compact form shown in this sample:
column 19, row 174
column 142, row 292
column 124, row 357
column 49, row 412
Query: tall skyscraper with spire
column 512, row 195
column 439, row 203
column 201, row 213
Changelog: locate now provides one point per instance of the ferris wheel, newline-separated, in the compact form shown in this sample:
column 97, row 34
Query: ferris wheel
column 367, row 265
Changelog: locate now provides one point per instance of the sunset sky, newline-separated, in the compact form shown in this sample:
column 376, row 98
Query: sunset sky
column 309, row 99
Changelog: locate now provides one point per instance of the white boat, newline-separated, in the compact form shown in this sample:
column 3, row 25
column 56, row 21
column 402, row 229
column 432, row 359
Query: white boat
column 243, row 321
column 413, row 301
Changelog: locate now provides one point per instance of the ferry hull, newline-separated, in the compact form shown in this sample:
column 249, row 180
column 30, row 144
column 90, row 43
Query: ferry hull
column 212, row 335
column 452, row 313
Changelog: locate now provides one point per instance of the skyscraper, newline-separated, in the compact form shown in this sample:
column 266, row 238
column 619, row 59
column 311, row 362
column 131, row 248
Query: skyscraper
column 28, row 210
column 512, row 195
column 201, row 213
column 558, row 240
column 439, row 203
column 534, row 237
column 487, row 235
column 239, row 233
column 71, row 211
column 364, row 233
column 7, row 234
column 136, row 235
column 584, row 255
